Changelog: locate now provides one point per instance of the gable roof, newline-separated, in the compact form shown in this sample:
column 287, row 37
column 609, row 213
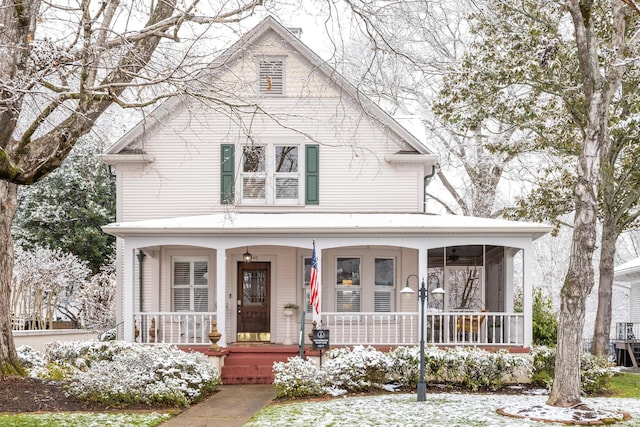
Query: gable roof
column 156, row 117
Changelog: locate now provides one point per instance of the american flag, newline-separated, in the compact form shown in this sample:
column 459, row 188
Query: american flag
column 314, row 286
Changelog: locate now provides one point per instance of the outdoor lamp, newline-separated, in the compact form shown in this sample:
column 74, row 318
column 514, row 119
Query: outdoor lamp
column 438, row 294
column 247, row 257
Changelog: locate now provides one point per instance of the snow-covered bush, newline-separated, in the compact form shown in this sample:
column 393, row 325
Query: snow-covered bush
column 363, row 369
column 108, row 335
column 487, row 369
column 122, row 373
column 299, row 378
column 446, row 365
column 544, row 361
column 30, row 358
column 404, row 365
column 595, row 372
column 360, row 369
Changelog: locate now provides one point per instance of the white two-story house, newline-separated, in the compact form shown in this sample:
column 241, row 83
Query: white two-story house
column 219, row 203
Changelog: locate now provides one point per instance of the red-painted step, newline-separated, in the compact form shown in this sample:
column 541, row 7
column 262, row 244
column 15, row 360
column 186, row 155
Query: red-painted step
column 254, row 364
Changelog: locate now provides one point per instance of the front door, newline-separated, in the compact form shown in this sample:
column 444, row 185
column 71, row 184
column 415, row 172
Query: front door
column 254, row 294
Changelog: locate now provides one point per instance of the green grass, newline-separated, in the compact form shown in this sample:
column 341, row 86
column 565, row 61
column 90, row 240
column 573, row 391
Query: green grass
column 83, row 419
column 625, row 385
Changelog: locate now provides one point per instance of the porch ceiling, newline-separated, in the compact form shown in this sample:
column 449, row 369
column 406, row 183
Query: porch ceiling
column 326, row 223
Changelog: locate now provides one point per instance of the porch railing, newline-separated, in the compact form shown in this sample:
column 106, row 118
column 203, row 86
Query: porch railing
column 449, row 328
column 400, row 328
column 174, row 328
column 628, row 331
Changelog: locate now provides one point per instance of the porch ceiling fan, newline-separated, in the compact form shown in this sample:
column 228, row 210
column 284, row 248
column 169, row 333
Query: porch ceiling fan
column 455, row 257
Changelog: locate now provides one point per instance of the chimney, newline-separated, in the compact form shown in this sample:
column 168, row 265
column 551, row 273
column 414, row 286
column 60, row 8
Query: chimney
column 296, row 31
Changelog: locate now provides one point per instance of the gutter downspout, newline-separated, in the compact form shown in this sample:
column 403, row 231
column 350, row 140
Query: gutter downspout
column 426, row 180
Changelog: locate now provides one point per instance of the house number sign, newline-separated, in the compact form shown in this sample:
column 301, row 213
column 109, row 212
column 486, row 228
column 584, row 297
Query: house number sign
column 320, row 339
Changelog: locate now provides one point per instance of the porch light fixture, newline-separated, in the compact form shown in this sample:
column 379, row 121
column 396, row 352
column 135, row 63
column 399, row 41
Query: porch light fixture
column 438, row 294
column 247, row 257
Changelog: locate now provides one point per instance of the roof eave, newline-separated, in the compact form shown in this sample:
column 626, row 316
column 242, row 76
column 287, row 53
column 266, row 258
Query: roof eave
column 113, row 159
column 426, row 159
column 122, row 232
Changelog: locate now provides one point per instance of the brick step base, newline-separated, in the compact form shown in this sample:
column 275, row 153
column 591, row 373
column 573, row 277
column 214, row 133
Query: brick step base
column 254, row 365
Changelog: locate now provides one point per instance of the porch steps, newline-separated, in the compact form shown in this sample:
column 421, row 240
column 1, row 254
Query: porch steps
column 253, row 364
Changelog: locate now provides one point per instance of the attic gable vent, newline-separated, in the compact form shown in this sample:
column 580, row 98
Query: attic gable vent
column 272, row 77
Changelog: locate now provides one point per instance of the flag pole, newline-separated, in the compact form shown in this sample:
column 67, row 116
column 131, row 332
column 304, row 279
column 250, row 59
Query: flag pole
column 315, row 286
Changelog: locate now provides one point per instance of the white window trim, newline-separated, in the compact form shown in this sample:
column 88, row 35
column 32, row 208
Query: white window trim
column 270, row 174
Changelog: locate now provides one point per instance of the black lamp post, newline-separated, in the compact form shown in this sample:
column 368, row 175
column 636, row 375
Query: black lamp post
column 437, row 293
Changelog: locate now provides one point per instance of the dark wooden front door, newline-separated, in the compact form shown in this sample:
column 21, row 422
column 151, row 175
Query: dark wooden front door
column 254, row 295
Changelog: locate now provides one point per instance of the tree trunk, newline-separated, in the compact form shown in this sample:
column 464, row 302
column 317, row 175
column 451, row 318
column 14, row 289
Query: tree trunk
column 598, row 92
column 9, row 364
column 580, row 277
column 602, row 327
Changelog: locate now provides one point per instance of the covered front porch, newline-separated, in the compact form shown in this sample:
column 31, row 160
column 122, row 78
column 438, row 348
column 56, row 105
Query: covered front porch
column 182, row 276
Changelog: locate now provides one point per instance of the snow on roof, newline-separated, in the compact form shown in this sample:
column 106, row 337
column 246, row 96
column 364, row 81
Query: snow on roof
column 628, row 271
column 319, row 223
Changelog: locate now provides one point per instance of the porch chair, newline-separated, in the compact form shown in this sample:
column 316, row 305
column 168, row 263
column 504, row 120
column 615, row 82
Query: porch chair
column 468, row 326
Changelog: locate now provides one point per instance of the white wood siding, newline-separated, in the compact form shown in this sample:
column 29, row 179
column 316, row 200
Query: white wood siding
column 634, row 302
column 184, row 178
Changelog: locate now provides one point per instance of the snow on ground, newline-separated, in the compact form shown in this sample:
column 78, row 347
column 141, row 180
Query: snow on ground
column 441, row 409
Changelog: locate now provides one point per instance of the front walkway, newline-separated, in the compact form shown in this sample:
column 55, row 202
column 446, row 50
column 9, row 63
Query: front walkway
column 231, row 406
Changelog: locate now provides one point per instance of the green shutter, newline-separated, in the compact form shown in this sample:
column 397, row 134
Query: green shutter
column 227, row 172
column 312, row 175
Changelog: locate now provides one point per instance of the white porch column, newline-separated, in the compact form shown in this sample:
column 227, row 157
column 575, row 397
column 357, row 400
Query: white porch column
column 527, row 292
column 221, row 294
column 128, row 294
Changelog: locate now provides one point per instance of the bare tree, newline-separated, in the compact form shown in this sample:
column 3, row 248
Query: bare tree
column 410, row 68
column 62, row 67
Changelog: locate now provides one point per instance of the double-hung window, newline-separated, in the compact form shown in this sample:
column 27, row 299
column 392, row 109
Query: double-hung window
column 385, row 272
column 348, row 290
column 190, row 284
column 271, row 173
